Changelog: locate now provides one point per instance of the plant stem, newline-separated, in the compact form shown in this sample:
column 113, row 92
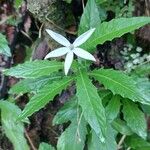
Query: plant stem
column 30, row 141
column 121, row 141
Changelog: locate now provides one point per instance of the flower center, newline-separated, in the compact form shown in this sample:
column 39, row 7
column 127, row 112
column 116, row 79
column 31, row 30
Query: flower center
column 71, row 46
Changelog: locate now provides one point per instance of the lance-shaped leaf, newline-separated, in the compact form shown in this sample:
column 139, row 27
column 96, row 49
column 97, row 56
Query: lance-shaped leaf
column 113, row 108
column 121, row 127
column 45, row 95
column 73, row 138
column 4, row 49
column 110, row 144
column 45, row 146
column 135, row 118
column 142, row 70
column 90, row 17
column 14, row 131
column 32, row 85
column 91, row 104
column 101, row 1
column 114, row 28
column 34, row 69
column 137, row 143
column 119, row 83
column 67, row 112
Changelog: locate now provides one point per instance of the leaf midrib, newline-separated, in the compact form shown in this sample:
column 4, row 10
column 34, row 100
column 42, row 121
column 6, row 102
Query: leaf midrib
column 88, row 95
column 85, row 87
column 28, row 74
column 100, row 75
column 53, row 66
column 129, row 120
column 41, row 99
column 105, row 35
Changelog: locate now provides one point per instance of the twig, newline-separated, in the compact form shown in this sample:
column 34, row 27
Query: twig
column 79, row 120
column 53, row 131
column 40, row 30
column 83, row 4
column 24, row 33
column 147, row 7
column 30, row 141
column 121, row 141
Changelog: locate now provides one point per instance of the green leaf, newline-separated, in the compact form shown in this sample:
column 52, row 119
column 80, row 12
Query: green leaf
column 142, row 70
column 18, row 3
column 45, row 146
column 73, row 138
column 46, row 94
column 113, row 108
column 34, row 69
column 105, row 95
column 119, row 83
column 135, row 118
column 14, row 131
column 91, row 104
column 4, row 49
column 90, row 17
column 68, row 1
column 95, row 144
column 107, row 31
column 66, row 113
column 146, row 109
column 143, row 84
column 32, row 85
column 100, row 1
column 121, row 127
column 137, row 143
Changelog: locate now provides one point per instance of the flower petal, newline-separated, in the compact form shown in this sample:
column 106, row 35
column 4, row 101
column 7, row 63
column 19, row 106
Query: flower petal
column 83, row 54
column 59, row 38
column 83, row 37
column 57, row 52
column 68, row 62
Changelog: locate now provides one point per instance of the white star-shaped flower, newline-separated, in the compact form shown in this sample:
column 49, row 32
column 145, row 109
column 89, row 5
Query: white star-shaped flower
column 70, row 48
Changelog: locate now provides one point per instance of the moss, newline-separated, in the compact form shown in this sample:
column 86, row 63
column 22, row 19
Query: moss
column 51, row 9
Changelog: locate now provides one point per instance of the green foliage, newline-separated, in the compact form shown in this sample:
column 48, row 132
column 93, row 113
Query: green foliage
column 74, row 136
column 91, row 105
column 137, row 143
column 121, row 127
column 110, row 144
column 90, row 17
column 34, row 69
column 66, row 113
column 113, row 108
column 46, row 94
column 14, row 131
column 18, row 3
column 119, row 83
column 100, row 1
column 45, row 146
column 107, row 31
column 143, row 69
column 4, row 49
column 32, row 85
column 68, row 1
column 135, row 118
column 121, row 8
column 95, row 112
column 143, row 84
